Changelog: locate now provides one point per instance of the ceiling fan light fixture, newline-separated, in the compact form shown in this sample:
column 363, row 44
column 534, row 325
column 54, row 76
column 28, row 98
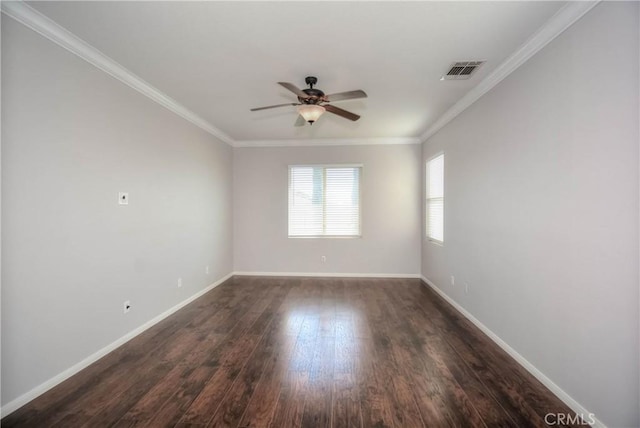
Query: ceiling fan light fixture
column 310, row 100
column 311, row 112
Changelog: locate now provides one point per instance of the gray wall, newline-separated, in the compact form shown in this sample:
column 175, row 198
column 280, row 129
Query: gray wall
column 391, row 209
column 541, row 212
column 72, row 138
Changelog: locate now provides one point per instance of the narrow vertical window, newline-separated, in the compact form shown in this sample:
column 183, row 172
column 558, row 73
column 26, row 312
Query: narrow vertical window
column 434, row 208
column 324, row 200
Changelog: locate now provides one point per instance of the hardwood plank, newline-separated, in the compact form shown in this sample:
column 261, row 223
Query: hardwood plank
column 206, row 404
column 346, row 403
column 215, row 388
column 498, row 380
column 318, row 394
column 260, row 410
column 403, row 406
column 234, row 404
column 415, row 354
column 99, row 378
column 217, row 354
column 347, row 411
column 154, row 399
column 290, row 406
column 302, row 352
column 436, row 352
column 173, row 409
column 374, row 404
column 261, row 407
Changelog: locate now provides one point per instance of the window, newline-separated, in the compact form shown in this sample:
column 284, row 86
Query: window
column 434, row 208
column 324, row 200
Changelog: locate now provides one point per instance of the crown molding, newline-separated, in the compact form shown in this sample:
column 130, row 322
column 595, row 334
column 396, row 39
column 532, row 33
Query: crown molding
column 31, row 18
column 323, row 142
column 45, row 26
column 563, row 19
column 28, row 16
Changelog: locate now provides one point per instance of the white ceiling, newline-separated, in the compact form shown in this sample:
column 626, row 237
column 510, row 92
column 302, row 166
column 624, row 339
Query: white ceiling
column 219, row 59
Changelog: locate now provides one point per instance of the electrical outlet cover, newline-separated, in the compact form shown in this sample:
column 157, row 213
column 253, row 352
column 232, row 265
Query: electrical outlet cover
column 123, row 198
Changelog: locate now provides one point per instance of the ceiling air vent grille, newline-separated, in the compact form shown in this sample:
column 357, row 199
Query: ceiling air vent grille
column 462, row 70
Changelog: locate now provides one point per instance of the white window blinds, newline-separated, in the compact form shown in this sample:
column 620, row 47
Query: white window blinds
column 435, row 199
column 324, row 200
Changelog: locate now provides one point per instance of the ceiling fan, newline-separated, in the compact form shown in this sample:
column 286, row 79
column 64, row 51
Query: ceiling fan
column 313, row 102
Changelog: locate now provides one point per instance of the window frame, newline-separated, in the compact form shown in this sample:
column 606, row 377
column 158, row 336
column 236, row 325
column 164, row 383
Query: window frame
column 427, row 199
column 324, row 167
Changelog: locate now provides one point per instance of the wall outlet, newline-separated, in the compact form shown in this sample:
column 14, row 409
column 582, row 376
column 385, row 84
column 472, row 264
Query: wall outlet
column 206, row 270
column 323, row 259
column 179, row 282
column 453, row 280
column 127, row 306
column 466, row 288
column 123, row 198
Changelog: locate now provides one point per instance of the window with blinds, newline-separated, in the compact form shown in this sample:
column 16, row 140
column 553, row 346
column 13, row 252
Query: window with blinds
column 324, row 200
column 435, row 199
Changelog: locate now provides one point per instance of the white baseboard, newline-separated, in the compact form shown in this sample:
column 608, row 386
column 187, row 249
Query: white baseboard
column 331, row 274
column 555, row 389
column 44, row 387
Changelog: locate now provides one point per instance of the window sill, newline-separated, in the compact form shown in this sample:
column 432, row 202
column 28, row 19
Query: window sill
column 436, row 242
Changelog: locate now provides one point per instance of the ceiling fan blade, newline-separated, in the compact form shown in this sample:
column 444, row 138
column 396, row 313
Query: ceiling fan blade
column 277, row 105
column 300, row 121
column 293, row 88
column 341, row 112
column 350, row 95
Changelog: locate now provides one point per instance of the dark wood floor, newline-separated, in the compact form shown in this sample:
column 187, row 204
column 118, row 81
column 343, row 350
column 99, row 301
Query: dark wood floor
column 289, row 352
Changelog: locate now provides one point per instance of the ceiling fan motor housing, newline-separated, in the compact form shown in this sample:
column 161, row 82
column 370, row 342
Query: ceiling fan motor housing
column 315, row 96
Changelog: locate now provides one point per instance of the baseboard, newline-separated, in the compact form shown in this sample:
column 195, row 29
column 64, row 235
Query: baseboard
column 331, row 274
column 555, row 389
column 44, row 387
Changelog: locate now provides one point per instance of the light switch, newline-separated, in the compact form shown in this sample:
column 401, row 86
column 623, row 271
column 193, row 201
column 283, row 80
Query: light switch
column 123, row 198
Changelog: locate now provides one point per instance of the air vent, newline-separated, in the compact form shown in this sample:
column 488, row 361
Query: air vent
column 462, row 70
